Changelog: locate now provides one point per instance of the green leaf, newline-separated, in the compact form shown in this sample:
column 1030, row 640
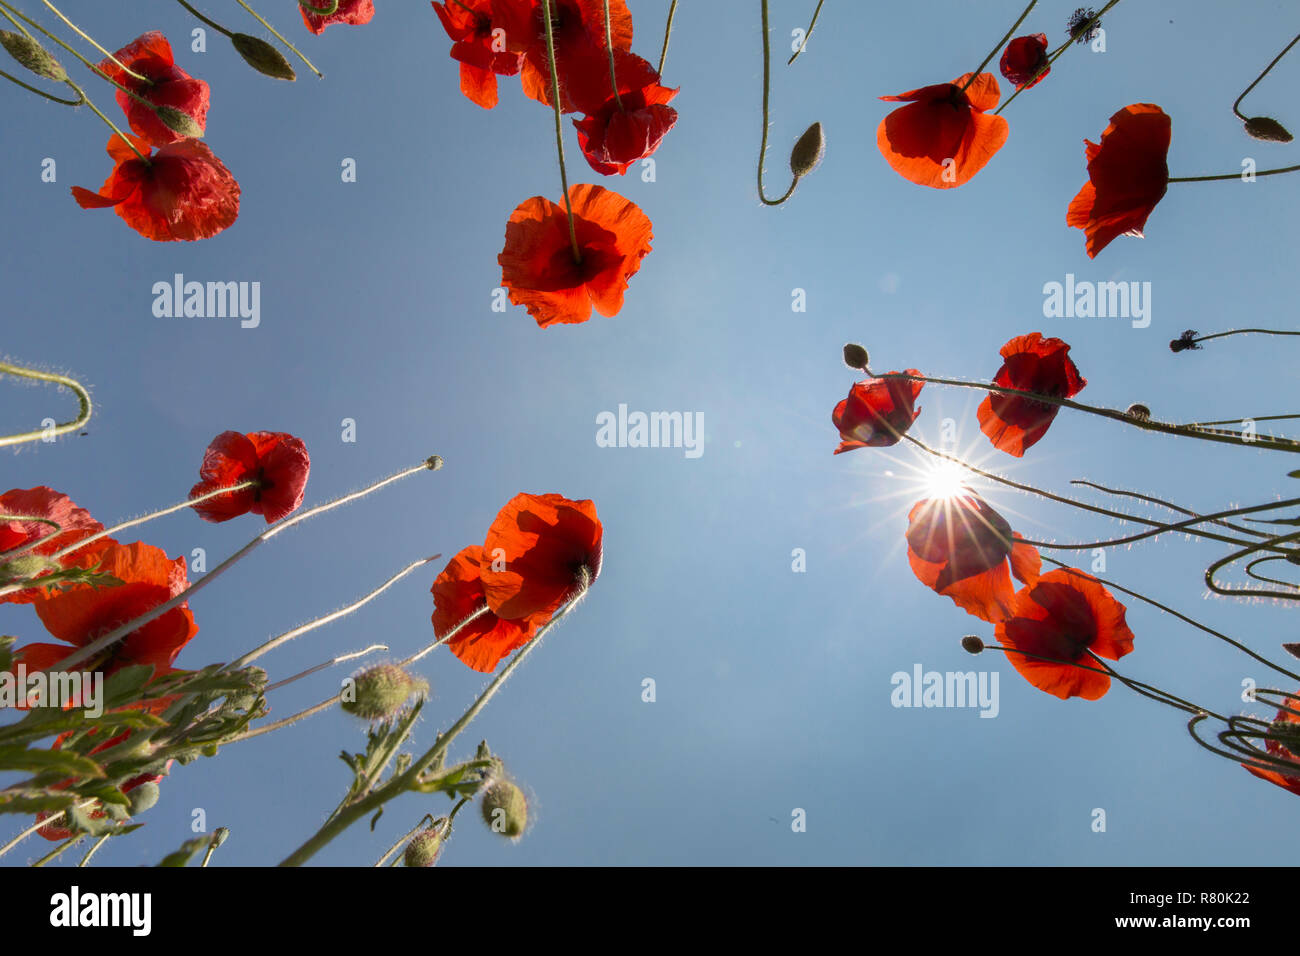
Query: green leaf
column 185, row 853
column 33, row 800
column 43, row 761
column 124, row 686
column 1293, row 474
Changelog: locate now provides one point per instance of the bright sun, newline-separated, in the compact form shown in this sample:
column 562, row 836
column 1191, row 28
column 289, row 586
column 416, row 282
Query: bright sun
column 945, row 479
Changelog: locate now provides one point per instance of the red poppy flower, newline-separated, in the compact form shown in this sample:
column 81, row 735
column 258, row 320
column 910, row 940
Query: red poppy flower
column 614, row 136
column 877, row 412
column 481, row 44
column 1023, row 58
column 181, row 192
column 1278, row 750
column 1065, row 616
column 458, row 593
column 943, row 137
column 537, row 262
column 961, row 548
column 74, row 523
column 1031, row 364
column 81, row 613
column 578, row 27
column 1127, row 175
column 276, row 461
column 538, row 551
column 165, row 84
column 351, row 12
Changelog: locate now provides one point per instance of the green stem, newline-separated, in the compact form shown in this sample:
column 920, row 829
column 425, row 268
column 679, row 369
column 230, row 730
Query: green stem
column 559, row 131
column 1001, row 43
column 32, row 89
column 762, row 148
column 1207, row 179
column 85, row 860
column 1055, row 55
column 402, row 840
column 202, row 19
column 89, row 39
column 808, row 33
column 59, row 850
column 609, row 48
column 83, row 398
column 1284, row 52
column 95, row 646
column 1237, row 555
column 668, row 32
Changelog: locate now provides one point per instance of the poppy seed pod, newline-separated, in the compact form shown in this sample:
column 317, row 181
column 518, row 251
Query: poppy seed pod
column 505, row 809
column 262, row 57
column 1267, row 129
column 32, row 55
column 178, row 121
column 808, row 151
column 424, row 848
column 25, row 568
column 380, row 692
column 856, row 357
column 1139, row 412
column 972, row 644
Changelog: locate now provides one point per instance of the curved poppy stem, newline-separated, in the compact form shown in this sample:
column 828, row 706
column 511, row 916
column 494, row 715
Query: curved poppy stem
column 202, row 19
column 668, row 32
column 762, row 148
column 1274, row 63
column 559, row 131
column 1237, row 555
column 349, row 813
column 1081, row 505
column 344, row 611
column 1195, row 340
column 31, row 89
column 340, row 659
column 1167, row 504
column 609, row 48
column 85, row 860
column 1001, row 43
column 276, row 33
column 59, row 850
column 1182, row 617
column 1265, row 578
column 1223, row 437
column 1164, row 528
column 1258, row 759
column 812, row 23
column 432, row 463
column 1207, row 179
column 91, row 40
column 52, row 818
column 1056, row 54
column 83, row 400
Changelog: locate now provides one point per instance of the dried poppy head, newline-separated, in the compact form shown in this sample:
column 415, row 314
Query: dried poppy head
column 1185, row 341
column 1079, row 28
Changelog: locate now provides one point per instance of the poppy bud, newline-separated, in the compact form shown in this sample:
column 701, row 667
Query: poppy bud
column 380, row 692
column 1139, row 412
column 505, row 809
column 808, row 151
column 179, row 121
column 1267, row 129
column 262, row 57
column 856, row 357
column 433, row 462
column 25, row 568
column 32, row 55
column 424, row 848
column 972, row 644
column 219, row 836
column 143, row 797
column 1287, row 733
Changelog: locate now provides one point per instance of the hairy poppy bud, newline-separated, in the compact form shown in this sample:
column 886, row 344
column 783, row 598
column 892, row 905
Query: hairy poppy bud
column 32, row 55
column 179, row 121
column 972, row 644
column 262, row 57
column 1267, row 129
column 424, row 848
column 856, row 357
column 24, row 568
column 219, row 836
column 143, row 797
column 379, row 692
column 505, row 809
column 808, row 151
column 1140, row 412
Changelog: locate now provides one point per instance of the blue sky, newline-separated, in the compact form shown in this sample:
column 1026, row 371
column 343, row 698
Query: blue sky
column 773, row 687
